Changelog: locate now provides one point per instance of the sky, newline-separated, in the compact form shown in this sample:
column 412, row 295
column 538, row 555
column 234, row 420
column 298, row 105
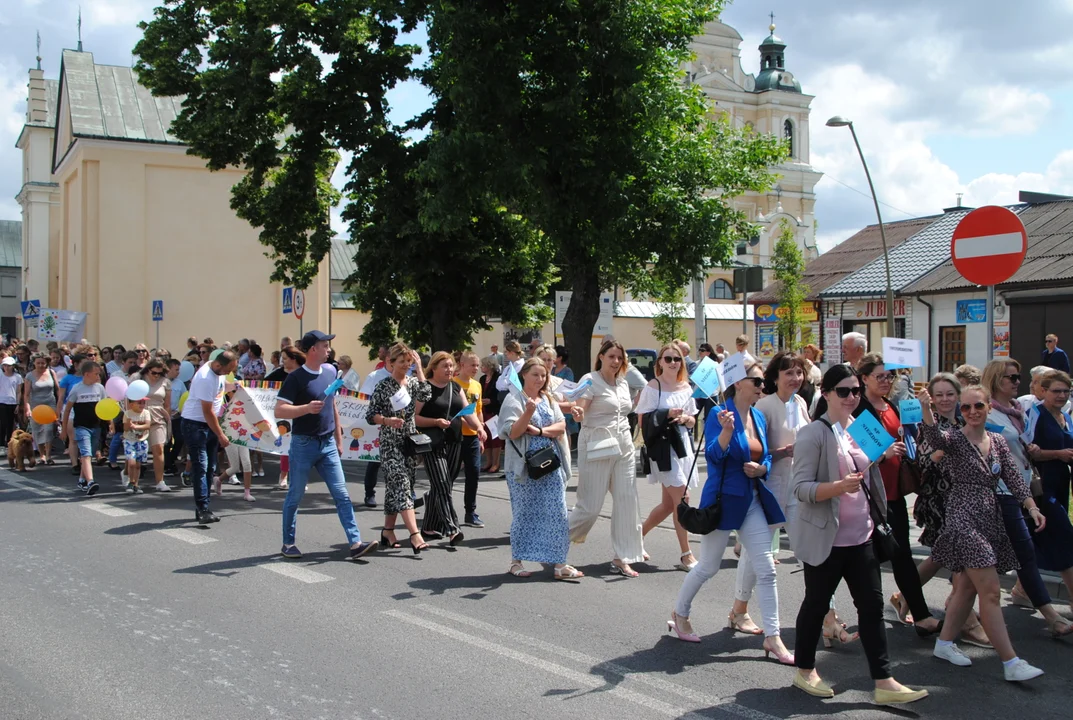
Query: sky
column 958, row 96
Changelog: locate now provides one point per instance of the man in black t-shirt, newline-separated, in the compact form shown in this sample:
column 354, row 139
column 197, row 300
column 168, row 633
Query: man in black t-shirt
column 307, row 400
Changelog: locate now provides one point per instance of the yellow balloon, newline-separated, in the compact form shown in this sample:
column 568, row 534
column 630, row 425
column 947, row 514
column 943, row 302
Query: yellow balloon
column 182, row 400
column 107, row 409
column 230, row 377
column 43, row 415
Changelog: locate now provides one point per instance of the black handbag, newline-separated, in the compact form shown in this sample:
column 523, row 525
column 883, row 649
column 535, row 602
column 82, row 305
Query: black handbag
column 539, row 463
column 416, row 444
column 701, row 521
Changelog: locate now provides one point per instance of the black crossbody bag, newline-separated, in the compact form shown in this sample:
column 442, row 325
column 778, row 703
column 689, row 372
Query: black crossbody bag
column 884, row 544
column 701, row 521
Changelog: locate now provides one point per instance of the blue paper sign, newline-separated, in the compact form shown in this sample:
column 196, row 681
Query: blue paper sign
column 288, row 300
column 993, row 427
column 158, row 310
column 468, row 410
column 870, row 435
column 971, row 311
column 333, row 388
column 910, row 411
column 707, row 377
column 512, row 377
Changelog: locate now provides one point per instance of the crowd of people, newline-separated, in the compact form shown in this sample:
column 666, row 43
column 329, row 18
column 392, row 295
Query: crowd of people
column 989, row 470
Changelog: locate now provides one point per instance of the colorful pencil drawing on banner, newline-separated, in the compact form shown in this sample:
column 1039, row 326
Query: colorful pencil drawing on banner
column 250, row 420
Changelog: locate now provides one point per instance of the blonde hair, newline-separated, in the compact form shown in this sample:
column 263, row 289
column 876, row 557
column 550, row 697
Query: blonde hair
column 529, row 365
column 993, row 373
column 437, row 357
column 398, row 350
column 682, row 374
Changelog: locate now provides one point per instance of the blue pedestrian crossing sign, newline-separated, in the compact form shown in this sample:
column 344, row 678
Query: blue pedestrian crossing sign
column 288, row 300
column 158, row 310
column 31, row 309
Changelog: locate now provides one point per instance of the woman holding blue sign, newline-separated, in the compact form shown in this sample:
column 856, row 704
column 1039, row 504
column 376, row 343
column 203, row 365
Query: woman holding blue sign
column 738, row 459
column 841, row 506
column 909, row 601
column 973, row 538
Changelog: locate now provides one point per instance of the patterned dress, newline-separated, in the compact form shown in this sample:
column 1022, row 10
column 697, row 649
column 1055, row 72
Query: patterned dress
column 400, row 471
column 973, row 534
column 539, row 530
column 929, row 510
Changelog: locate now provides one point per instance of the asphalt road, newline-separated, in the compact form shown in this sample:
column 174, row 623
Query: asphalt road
column 118, row 606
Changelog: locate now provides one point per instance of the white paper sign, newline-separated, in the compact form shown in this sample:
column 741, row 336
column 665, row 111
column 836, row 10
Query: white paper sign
column 734, row 369
column 793, row 413
column 902, row 353
column 1032, row 417
column 492, row 426
column 577, row 390
column 400, row 400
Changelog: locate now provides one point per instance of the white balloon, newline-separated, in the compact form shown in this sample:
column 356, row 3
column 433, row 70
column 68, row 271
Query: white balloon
column 137, row 390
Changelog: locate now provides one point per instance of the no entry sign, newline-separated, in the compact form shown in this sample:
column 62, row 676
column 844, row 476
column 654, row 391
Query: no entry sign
column 989, row 245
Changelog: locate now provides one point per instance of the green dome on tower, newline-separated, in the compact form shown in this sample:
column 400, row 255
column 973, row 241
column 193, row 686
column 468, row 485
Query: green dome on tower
column 773, row 73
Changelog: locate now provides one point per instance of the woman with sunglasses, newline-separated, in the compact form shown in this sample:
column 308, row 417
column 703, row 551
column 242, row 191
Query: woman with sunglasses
column 909, row 601
column 973, row 538
column 158, row 402
column 668, row 398
column 1054, row 437
column 738, row 459
column 1008, row 417
column 840, row 497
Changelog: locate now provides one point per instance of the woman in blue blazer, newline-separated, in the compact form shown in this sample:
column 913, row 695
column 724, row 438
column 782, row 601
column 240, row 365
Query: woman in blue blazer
column 738, row 462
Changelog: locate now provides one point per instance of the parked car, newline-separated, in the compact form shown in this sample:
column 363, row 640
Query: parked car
column 644, row 359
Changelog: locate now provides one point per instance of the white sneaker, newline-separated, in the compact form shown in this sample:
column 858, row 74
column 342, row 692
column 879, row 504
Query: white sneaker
column 162, row 487
column 951, row 654
column 248, row 498
column 1020, row 671
column 234, row 480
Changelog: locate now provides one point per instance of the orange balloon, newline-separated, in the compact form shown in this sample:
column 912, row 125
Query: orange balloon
column 43, row 415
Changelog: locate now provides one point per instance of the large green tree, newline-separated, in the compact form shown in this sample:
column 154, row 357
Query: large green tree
column 576, row 114
column 789, row 265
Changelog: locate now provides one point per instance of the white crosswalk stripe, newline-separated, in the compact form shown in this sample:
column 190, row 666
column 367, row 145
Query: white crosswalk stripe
column 188, row 536
column 297, row 572
column 106, row 509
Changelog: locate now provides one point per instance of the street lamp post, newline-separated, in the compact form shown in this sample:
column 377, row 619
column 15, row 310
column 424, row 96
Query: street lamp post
column 839, row 121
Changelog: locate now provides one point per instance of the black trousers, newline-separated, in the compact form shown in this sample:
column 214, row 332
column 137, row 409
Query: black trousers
column 859, row 568
column 440, row 513
column 371, row 471
column 903, row 564
column 172, row 449
column 469, row 458
column 7, row 423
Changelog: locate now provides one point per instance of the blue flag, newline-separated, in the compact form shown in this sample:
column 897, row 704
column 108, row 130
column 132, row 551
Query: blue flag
column 333, row 388
column 870, row 435
column 911, row 412
column 468, row 410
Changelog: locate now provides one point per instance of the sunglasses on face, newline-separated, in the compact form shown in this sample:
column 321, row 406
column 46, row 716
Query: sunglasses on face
column 757, row 382
column 887, row 377
column 845, row 392
column 1015, row 378
column 965, row 407
column 671, row 359
column 157, row 373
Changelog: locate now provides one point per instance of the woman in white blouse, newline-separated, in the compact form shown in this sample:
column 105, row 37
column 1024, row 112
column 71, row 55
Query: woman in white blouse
column 671, row 398
column 605, row 461
column 785, row 412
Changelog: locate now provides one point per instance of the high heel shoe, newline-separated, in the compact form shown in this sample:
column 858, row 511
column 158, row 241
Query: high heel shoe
column 736, row 622
column 784, row 656
column 417, row 548
column 687, row 636
column 924, row 632
column 385, row 543
column 684, row 566
column 902, row 608
column 835, row 631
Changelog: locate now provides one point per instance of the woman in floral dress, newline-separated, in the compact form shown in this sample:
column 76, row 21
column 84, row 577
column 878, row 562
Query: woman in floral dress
column 392, row 408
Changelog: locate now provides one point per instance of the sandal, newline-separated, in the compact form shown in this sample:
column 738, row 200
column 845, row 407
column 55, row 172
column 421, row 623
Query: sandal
column 738, row 623
column 902, row 608
column 394, row 544
column 624, row 570
column 1060, row 628
column 493, row 469
column 567, row 572
column 420, row 546
column 837, row 631
column 1020, row 598
column 684, row 566
column 518, row 570
column 975, row 635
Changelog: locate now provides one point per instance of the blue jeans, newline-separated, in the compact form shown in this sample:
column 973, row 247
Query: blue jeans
column 308, row 452
column 116, row 442
column 202, row 446
column 86, row 439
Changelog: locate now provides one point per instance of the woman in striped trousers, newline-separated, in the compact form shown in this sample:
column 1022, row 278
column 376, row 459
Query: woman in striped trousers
column 436, row 418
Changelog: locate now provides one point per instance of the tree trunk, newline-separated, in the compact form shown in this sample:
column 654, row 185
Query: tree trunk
column 441, row 332
column 580, row 319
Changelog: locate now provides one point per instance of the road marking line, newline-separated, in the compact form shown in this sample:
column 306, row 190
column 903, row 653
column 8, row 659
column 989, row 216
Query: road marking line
column 602, row 666
column 574, row 676
column 106, row 509
column 23, row 485
column 297, row 572
column 189, row 536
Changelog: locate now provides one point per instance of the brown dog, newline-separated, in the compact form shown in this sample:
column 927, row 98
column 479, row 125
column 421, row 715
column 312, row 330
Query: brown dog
column 20, row 450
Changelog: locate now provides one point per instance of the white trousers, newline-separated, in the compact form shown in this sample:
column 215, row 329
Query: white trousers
column 238, row 459
column 745, row 579
column 755, row 538
column 595, row 478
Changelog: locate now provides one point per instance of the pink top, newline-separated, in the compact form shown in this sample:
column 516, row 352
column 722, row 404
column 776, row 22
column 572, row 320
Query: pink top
column 854, row 517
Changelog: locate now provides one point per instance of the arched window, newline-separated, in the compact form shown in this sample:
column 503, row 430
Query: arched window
column 788, row 134
column 720, row 290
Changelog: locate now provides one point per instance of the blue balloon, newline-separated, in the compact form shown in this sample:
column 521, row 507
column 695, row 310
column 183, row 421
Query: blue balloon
column 186, row 371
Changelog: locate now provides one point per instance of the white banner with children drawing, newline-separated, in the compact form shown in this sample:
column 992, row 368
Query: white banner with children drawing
column 249, row 419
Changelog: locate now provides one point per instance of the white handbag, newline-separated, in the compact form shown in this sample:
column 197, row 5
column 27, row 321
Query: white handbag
column 605, row 447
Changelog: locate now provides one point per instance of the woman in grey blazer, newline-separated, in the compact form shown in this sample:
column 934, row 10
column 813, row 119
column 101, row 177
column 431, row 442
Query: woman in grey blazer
column 832, row 537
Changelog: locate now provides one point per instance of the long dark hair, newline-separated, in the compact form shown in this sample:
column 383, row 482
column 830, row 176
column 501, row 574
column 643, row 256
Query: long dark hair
column 608, row 344
column 835, row 375
column 784, row 360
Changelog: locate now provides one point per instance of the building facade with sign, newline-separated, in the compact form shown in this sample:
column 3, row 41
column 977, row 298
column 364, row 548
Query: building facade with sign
column 10, row 276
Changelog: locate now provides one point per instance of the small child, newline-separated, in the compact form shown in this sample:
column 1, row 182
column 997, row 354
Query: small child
column 136, row 424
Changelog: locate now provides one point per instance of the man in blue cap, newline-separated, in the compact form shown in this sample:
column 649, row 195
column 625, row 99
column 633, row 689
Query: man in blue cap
column 307, row 400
